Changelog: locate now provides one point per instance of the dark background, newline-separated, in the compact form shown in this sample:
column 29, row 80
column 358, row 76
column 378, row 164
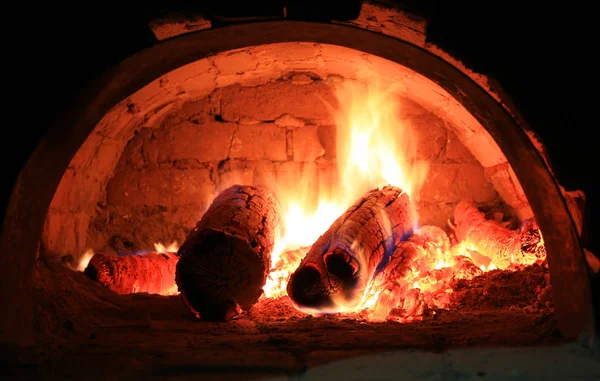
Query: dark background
column 540, row 53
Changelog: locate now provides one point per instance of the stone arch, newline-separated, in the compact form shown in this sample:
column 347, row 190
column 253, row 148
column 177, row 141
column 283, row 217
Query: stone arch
column 39, row 179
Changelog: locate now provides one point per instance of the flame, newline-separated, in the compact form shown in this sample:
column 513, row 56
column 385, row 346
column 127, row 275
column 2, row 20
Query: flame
column 172, row 248
column 159, row 247
column 84, row 260
column 374, row 148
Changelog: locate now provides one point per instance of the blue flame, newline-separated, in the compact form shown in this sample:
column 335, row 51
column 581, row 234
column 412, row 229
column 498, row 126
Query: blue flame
column 389, row 249
column 142, row 252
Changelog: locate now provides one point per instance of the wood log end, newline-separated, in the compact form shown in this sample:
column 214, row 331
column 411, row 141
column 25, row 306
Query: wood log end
column 219, row 275
column 101, row 269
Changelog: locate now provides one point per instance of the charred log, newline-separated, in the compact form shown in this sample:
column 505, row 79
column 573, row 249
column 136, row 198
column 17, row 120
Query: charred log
column 226, row 258
column 153, row 272
column 398, row 295
column 340, row 264
column 502, row 245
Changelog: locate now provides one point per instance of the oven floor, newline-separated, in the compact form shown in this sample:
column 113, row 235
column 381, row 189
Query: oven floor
column 86, row 332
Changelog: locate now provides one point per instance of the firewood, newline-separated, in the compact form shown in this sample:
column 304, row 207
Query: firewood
column 227, row 256
column 417, row 253
column 342, row 261
column 502, row 245
column 153, row 272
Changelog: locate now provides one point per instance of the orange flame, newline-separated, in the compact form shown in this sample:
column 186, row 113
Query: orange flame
column 374, row 148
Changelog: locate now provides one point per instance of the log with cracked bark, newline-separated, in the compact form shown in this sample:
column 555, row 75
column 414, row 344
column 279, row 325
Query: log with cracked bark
column 338, row 267
column 227, row 256
column 153, row 272
column 397, row 291
column 502, row 245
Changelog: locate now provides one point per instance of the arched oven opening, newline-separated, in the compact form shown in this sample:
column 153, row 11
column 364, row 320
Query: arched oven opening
column 397, row 200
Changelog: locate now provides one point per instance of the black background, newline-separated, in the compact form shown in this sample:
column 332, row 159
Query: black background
column 540, row 53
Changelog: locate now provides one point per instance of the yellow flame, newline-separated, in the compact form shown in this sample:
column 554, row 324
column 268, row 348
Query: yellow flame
column 84, row 260
column 374, row 148
column 172, row 248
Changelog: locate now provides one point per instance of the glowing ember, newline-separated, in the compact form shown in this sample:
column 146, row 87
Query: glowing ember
column 159, row 248
column 374, row 148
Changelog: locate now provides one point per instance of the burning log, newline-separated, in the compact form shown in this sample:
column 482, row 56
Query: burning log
column 342, row 261
column 152, row 272
column 226, row 258
column 502, row 245
column 416, row 253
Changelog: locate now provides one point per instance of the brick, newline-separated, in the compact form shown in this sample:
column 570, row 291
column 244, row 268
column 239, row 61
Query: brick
column 409, row 108
column 77, row 192
column 484, row 148
column 456, row 152
column 301, row 79
column 236, row 172
column 271, row 101
column 287, row 120
column 236, row 62
column 264, row 173
column 167, row 187
column 455, row 182
column 327, row 138
column 132, row 156
column 431, row 134
column 299, row 181
column 65, row 233
column 435, row 213
column 505, row 181
column 259, row 141
column 306, row 144
column 196, row 111
column 205, row 142
column 291, row 55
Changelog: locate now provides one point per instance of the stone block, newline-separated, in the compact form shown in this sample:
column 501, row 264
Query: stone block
column 264, row 174
column 435, row 213
column 306, row 144
column 235, row 62
column 483, row 147
column 259, row 141
column 327, row 138
column 65, row 233
column 409, row 108
column 287, row 120
column 505, row 181
column 455, row 182
column 197, row 111
column 205, row 142
column 77, row 192
column 271, row 101
column 166, row 187
column 236, row 172
column 431, row 136
column 456, row 152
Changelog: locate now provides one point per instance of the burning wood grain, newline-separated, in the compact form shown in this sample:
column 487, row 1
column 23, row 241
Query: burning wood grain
column 153, row 272
column 504, row 246
column 340, row 264
column 226, row 258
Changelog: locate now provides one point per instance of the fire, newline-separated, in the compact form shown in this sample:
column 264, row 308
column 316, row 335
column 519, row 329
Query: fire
column 172, row 248
column 159, row 247
column 374, row 148
column 84, row 260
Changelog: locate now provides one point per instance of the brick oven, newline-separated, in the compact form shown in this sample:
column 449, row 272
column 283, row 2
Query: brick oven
column 151, row 145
